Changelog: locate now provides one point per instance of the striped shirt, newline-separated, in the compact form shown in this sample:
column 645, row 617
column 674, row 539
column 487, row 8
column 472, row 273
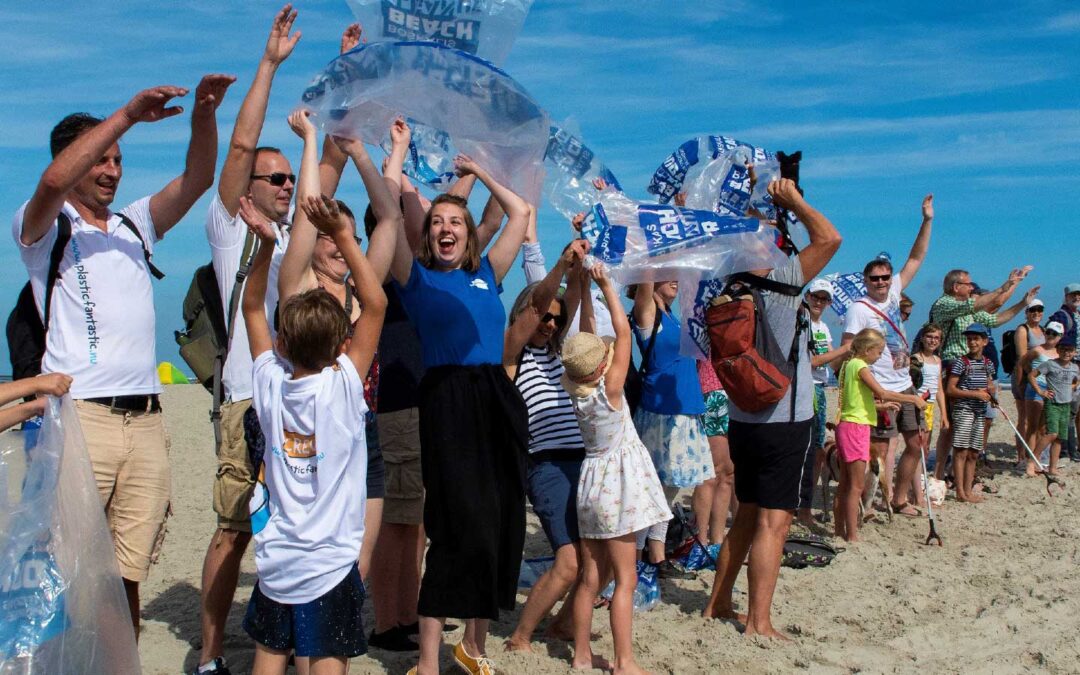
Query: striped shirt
column 973, row 374
column 552, row 421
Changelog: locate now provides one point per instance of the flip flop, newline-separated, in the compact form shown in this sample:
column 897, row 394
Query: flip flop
column 907, row 510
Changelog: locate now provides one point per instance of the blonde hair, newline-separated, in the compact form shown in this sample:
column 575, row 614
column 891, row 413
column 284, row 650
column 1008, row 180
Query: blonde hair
column 865, row 340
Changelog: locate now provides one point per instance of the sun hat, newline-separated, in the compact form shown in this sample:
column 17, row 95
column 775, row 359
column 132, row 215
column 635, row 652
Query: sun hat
column 582, row 354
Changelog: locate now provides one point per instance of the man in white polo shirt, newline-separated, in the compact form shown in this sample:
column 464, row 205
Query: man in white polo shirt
column 101, row 309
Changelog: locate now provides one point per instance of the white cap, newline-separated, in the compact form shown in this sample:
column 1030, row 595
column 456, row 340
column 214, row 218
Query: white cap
column 820, row 286
column 1035, row 303
column 1056, row 327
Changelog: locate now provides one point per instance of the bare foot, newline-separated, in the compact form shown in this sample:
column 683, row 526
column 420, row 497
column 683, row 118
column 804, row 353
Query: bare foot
column 591, row 661
column 767, row 632
column 724, row 614
column 513, row 644
column 631, row 668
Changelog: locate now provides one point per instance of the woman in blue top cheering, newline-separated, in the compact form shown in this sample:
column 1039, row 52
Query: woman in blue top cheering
column 668, row 419
column 473, row 421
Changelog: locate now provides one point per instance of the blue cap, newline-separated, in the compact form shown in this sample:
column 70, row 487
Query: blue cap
column 976, row 329
column 1066, row 342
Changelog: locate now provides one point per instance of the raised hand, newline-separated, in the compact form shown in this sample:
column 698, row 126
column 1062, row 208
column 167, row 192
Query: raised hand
column 928, row 207
column 680, row 199
column 211, row 91
column 300, row 123
column 349, row 146
column 577, row 221
column 400, row 133
column 598, row 273
column 1031, row 295
column 53, row 384
column 464, row 165
column 599, row 183
column 280, row 44
column 785, row 193
column 575, row 252
column 324, row 214
column 351, row 37
column 1017, row 275
column 149, row 104
column 257, row 223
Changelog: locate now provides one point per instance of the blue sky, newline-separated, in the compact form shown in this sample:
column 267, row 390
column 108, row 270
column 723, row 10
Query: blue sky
column 978, row 103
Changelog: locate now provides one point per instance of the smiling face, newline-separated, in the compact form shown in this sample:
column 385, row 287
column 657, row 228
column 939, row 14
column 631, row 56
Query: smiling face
column 97, row 188
column 271, row 200
column 550, row 325
column 817, row 302
column 878, row 280
column 666, row 291
column 976, row 342
column 1073, row 300
column 327, row 260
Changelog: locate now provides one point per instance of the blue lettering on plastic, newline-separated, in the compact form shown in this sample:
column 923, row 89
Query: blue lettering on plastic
column 668, row 228
column 452, row 23
column 610, row 239
column 31, row 604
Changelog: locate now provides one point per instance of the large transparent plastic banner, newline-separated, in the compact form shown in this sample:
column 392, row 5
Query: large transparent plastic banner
column 847, row 288
column 485, row 28
column 571, row 169
column 455, row 103
column 62, row 603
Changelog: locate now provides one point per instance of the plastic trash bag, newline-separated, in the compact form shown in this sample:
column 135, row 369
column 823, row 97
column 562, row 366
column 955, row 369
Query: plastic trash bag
column 725, row 185
column 534, row 568
column 669, row 177
column 62, row 603
column 571, row 168
column 485, row 28
column 647, row 593
column 642, row 242
column 454, row 101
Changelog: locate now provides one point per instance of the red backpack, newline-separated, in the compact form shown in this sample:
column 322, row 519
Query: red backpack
column 750, row 364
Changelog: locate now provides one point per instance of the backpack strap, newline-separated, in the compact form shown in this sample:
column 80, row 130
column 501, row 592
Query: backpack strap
column 765, row 284
column 158, row 274
column 63, row 236
column 248, row 254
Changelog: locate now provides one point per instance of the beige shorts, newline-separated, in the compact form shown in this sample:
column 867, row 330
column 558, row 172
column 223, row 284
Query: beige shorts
column 129, row 452
column 399, row 437
column 235, row 480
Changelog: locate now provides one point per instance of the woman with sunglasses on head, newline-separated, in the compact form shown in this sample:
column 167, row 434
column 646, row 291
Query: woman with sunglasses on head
column 1026, row 337
column 531, row 357
column 473, row 421
column 1033, row 403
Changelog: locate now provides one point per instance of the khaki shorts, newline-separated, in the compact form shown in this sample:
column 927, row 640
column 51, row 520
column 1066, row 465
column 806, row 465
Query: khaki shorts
column 129, row 452
column 399, row 436
column 235, row 480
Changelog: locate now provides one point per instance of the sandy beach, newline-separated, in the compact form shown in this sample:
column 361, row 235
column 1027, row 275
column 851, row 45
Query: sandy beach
column 997, row 598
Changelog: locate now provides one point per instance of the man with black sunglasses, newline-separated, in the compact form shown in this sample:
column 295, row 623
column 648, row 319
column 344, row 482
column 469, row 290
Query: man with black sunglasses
column 880, row 309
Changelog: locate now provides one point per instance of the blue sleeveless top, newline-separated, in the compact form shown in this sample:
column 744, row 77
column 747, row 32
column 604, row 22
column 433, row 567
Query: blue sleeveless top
column 670, row 384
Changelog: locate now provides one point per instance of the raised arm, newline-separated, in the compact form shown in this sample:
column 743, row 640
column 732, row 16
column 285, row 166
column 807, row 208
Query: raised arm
column 253, row 303
column 369, row 292
column 921, row 245
column 644, row 306
column 333, row 159
column 380, row 253
column 587, row 323
column 1006, row 315
column 76, row 160
column 615, row 378
column 996, row 299
column 505, row 248
column 824, row 239
column 525, row 324
column 236, row 173
column 491, row 221
column 296, row 264
column 169, row 205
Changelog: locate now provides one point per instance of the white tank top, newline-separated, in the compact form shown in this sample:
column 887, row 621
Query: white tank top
column 931, row 375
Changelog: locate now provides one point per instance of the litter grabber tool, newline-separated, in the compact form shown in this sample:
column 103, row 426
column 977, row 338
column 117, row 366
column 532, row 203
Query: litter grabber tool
column 1050, row 478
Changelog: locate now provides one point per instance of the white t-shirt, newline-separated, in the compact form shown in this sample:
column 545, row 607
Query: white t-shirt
column 891, row 370
column 226, row 235
column 315, row 468
column 101, row 324
column 821, row 339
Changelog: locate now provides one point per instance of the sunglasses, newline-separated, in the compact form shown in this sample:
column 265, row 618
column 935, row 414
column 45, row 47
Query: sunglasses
column 1033, row 310
column 277, row 179
column 1052, row 333
column 559, row 319
column 820, row 298
column 879, row 277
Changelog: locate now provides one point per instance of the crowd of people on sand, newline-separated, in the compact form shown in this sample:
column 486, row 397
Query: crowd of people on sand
column 403, row 421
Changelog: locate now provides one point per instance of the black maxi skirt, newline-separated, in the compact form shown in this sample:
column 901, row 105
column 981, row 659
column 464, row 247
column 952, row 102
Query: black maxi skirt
column 473, row 448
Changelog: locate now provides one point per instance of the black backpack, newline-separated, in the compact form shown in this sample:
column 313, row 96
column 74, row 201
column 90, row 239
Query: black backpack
column 1008, row 351
column 25, row 327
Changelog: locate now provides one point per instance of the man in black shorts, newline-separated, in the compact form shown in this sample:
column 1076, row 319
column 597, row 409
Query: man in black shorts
column 769, row 447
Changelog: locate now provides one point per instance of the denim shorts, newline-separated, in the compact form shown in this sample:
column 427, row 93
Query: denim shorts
column 329, row 625
column 552, row 490
column 1030, row 394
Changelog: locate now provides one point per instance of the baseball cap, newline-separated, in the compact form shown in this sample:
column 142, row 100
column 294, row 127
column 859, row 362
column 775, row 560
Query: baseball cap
column 1072, row 288
column 1055, row 327
column 820, row 286
column 976, row 329
column 1035, row 303
column 1067, row 343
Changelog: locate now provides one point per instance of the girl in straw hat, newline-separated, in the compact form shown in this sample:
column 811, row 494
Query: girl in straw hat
column 618, row 491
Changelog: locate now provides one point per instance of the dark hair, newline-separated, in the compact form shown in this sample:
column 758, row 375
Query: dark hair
column 268, row 148
column 312, row 329
column 369, row 221
column 70, row 128
column 472, row 246
column 344, row 208
column 877, row 262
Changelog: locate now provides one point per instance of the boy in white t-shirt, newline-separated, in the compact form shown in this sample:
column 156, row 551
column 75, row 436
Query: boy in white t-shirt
column 309, row 397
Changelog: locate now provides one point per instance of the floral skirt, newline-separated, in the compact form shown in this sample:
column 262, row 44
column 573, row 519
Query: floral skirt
column 679, row 447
